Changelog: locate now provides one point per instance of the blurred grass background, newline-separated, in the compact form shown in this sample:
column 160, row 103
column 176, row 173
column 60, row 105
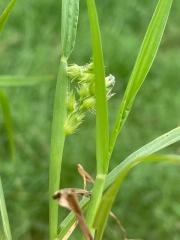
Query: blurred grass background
column 149, row 201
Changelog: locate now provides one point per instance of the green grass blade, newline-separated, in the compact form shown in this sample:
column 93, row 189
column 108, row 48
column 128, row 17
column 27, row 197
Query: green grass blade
column 4, row 102
column 110, row 194
column 57, row 145
column 159, row 143
column 102, row 130
column 102, row 125
column 70, row 14
column 145, row 152
column 5, row 14
column 4, row 214
column 142, row 66
column 118, row 174
column 23, row 81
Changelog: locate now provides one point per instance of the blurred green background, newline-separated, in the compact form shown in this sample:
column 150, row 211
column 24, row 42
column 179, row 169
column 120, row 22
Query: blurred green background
column 149, row 201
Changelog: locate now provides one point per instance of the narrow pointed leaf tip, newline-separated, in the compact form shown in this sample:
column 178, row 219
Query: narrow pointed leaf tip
column 6, row 13
column 142, row 65
column 70, row 14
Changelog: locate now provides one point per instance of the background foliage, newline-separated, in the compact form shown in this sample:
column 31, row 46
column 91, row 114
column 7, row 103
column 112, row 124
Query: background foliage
column 148, row 204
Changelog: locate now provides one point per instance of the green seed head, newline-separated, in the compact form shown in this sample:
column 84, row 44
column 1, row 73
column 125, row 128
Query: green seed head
column 86, row 77
column 84, row 90
column 89, row 68
column 74, row 71
column 92, row 89
column 71, row 102
column 82, row 98
column 81, row 73
column 72, row 123
column 89, row 103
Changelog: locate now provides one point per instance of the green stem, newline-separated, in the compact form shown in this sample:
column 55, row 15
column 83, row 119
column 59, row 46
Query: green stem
column 8, row 123
column 95, row 200
column 102, row 125
column 4, row 214
column 57, row 144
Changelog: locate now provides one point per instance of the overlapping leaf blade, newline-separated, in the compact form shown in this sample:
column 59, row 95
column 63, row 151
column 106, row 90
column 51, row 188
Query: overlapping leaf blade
column 102, row 125
column 159, row 143
column 117, row 175
column 70, row 13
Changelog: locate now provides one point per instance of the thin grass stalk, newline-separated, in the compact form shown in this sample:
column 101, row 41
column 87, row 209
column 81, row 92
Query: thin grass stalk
column 23, row 81
column 8, row 123
column 4, row 214
column 57, row 145
column 69, row 20
column 102, row 126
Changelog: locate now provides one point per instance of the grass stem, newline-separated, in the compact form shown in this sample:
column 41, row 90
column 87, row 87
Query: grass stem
column 102, row 125
column 57, row 145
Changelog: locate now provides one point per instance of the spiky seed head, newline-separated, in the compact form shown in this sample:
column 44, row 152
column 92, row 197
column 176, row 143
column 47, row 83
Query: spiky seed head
column 92, row 89
column 71, row 102
column 89, row 67
column 110, row 81
column 89, row 103
column 84, row 90
column 72, row 123
column 86, row 77
column 74, row 71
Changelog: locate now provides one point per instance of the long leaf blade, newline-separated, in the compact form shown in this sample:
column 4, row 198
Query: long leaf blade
column 23, row 81
column 102, row 130
column 4, row 214
column 70, row 14
column 6, row 13
column 159, row 143
column 57, row 145
column 8, row 123
column 110, row 194
column 154, row 146
column 142, row 66
column 102, row 125
column 117, row 175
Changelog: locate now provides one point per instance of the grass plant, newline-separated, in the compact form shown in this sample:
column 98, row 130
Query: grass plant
column 70, row 12
column 96, row 220
column 82, row 89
